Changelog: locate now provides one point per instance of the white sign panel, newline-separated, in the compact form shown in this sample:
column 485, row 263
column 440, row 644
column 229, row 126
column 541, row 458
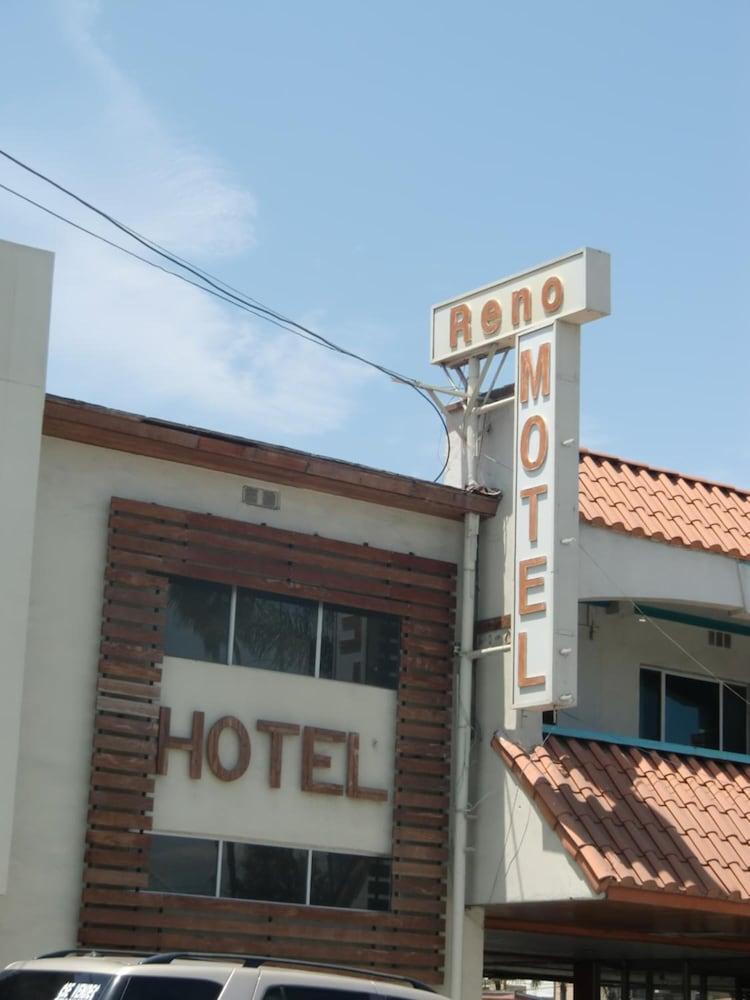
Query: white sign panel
column 574, row 288
column 546, row 518
column 274, row 758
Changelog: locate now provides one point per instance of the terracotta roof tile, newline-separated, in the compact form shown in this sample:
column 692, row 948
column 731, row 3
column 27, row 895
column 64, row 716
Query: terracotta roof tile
column 634, row 817
column 664, row 506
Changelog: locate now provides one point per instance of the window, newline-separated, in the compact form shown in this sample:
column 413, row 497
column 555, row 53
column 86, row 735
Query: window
column 358, row 647
column 184, row 865
column 27, row 984
column 197, row 620
column 351, row 881
column 234, row 625
column 316, row 993
column 690, row 711
column 275, row 633
column 194, row 866
column 256, row 871
column 168, row 988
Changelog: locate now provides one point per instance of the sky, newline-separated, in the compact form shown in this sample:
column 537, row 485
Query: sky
column 351, row 163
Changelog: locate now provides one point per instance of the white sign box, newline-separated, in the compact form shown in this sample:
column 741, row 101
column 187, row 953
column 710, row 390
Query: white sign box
column 574, row 288
column 545, row 626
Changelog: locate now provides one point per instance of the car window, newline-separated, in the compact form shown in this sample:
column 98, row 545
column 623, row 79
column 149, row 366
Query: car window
column 22, row 984
column 169, row 988
column 315, row 993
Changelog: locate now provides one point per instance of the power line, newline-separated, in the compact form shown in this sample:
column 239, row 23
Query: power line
column 215, row 286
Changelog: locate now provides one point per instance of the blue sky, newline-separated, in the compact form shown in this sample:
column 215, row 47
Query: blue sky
column 350, row 164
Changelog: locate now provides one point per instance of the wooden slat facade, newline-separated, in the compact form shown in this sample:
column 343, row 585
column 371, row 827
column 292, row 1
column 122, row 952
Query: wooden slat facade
column 147, row 544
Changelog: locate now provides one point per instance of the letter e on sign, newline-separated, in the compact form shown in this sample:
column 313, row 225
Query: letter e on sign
column 492, row 317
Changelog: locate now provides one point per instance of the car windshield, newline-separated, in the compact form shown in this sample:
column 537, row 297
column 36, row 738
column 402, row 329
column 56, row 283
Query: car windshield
column 22, row 984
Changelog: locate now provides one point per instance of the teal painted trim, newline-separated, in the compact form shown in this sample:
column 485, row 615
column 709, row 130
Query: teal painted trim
column 627, row 741
column 698, row 620
column 681, row 617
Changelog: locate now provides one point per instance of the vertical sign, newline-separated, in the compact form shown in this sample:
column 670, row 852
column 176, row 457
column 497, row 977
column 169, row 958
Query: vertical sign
column 546, row 518
column 538, row 312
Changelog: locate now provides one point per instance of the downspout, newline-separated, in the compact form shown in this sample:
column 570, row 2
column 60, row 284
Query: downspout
column 463, row 750
column 462, row 710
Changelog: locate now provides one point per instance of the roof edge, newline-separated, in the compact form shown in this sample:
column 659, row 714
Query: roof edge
column 658, row 469
column 119, row 430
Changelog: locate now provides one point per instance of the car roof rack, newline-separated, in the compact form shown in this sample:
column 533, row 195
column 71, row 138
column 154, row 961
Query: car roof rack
column 92, row 953
column 255, row 961
column 248, row 962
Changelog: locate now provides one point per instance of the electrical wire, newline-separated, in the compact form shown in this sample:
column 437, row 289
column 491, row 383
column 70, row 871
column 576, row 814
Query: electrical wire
column 216, row 286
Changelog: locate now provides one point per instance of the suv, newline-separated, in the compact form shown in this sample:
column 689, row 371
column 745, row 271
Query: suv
column 90, row 975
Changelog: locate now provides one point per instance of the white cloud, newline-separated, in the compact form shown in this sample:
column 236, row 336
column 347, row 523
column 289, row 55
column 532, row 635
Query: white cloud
column 131, row 337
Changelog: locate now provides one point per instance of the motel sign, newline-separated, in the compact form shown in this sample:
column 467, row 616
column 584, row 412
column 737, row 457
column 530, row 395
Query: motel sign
column 538, row 313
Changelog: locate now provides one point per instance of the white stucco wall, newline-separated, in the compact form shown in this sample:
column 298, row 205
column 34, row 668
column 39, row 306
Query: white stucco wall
column 515, row 855
column 25, row 295
column 40, row 908
column 613, row 564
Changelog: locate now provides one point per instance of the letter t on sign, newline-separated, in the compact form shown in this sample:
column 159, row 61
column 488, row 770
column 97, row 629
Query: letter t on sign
column 277, row 731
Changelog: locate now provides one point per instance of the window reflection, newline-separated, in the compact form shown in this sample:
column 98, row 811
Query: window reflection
column 692, row 712
column 253, row 871
column 198, row 620
column 197, row 867
column 275, row 633
column 350, row 880
column 360, row 647
column 695, row 712
column 183, row 864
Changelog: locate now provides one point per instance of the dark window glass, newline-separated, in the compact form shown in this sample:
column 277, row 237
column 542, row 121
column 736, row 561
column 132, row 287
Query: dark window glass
column 275, row 633
column 166, row 988
column 19, row 984
column 276, row 874
column 351, row 881
column 315, row 993
column 182, row 864
column 360, row 647
column 650, row 714
column 735, row 718
column 691, row 712
column 198, row 620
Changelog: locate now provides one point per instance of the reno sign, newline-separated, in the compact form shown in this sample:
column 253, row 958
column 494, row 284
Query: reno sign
column 574, row 288
column 538, row 313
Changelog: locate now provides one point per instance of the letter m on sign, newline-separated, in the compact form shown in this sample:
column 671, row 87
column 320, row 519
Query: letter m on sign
column 531, row 377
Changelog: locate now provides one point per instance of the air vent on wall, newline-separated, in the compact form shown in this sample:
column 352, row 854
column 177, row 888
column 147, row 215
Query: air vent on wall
column 723, row 639
column 255, row 497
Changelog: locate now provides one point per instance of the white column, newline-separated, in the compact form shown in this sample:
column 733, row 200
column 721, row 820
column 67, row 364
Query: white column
column 25, row 295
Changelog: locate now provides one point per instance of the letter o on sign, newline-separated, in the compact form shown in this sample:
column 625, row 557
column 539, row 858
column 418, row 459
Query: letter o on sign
column 492, row 317
column 552, row 295
column 243, row 748
column 531, row 465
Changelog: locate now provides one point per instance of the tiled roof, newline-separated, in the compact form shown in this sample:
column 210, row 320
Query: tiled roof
column 637, row 818
column 663, row 506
